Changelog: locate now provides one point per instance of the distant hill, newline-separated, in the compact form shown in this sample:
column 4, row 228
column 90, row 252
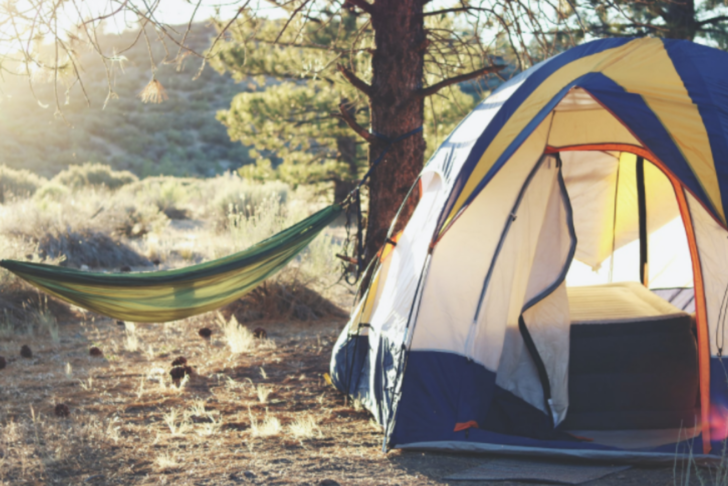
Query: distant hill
column 178, row 137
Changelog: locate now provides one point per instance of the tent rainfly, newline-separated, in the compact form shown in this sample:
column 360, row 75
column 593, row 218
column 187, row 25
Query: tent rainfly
column 520, row 310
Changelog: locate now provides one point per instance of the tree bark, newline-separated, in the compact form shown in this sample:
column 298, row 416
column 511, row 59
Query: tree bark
column 397, row 76
column 680, row 19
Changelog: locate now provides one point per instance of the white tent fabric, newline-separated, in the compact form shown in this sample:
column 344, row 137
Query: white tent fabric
column 461, row 259
column 712, row 242
column 548, row 241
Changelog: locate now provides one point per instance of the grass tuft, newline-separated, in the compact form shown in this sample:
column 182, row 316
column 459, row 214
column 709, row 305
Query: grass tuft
column 270, row 426
column 237, row 337
column 304, row 427
column 263, row 393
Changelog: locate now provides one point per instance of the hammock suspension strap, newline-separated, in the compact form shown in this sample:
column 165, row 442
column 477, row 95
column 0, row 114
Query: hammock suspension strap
column 353, row 200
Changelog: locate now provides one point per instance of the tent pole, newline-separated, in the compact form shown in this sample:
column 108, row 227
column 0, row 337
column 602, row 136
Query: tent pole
column 642, row 208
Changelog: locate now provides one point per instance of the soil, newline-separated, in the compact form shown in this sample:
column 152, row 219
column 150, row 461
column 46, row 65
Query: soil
column 129, row 424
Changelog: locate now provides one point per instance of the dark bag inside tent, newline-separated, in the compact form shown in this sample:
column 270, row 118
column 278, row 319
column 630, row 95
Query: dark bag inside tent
column 633, row 375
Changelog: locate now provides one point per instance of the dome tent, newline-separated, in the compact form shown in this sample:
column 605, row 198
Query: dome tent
column 471, row 335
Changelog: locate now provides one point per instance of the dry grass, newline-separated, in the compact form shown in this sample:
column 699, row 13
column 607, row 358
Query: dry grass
column 128, row 422
column 238, row 338
column 304, row 427
column 269, row 427
column 254, row 406
column 263, row 393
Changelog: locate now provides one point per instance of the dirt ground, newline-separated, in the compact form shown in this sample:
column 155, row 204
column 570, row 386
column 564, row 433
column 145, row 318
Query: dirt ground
column 265, row 416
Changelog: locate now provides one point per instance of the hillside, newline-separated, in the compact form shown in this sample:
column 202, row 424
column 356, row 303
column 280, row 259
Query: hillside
column 177, row 137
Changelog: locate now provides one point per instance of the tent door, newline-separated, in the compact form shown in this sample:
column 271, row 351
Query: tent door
column 540, row 247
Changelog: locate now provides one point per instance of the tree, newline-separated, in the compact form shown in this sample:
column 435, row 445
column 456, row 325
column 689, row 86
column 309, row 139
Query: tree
column 673, row 19
column 380, row 62
column 292, row 116
column 403, row 53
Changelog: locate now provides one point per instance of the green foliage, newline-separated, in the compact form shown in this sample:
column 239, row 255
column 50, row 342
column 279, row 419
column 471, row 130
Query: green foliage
column 290, row 114
column 52, row 191
column 702, row 21
column 236, row 196
column 18, row 183
column 93, row 175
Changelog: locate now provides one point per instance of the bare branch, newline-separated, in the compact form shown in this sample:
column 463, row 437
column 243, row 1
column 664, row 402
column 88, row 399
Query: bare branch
column 431, row 90
column 290, row 19
column 713, row 20
column 450, row 10
column 351, row 121
column 357, row 82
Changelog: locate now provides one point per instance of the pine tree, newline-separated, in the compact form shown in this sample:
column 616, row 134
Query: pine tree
column 672, row 19
column 390, row 66
column 291, row 113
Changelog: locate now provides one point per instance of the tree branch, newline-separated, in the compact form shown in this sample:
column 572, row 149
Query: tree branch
column 719, row 18
column 357, row 82
column 362, row 4
column 451, row 10
column 431, row 90
column 351, row 121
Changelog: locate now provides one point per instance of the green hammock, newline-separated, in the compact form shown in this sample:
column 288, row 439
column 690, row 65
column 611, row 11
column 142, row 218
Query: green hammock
column 175, row 294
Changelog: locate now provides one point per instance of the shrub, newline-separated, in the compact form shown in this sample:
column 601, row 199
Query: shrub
column 237, row 196
column 94, row 175
column 51, row 191
column 18, row 183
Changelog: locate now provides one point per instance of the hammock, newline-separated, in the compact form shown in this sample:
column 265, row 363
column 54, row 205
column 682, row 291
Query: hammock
column 175, row 294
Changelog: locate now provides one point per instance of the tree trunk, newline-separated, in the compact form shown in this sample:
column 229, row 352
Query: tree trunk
column 397, row 74
column 680, row 19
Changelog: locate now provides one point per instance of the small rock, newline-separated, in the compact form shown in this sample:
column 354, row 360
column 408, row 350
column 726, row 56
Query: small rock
column 120, row 323
column 205, row 333
column 328, row 482
column 125, row 268
column 62, row 410
column 180, row 361
column 156, row 262
column 249, row 474
column 2, row 362
column 25, row 351
column 260, row 333
column 95, row 352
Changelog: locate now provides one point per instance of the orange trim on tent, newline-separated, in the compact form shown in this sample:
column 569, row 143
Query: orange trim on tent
column 466, row 425
column 701, row 317
column 389, row 247
column 701, row 314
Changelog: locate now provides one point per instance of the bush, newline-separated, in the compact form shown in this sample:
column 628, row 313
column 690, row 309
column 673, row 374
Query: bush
column 94, row 175
column 18, row 183
column 52, row 191
column 237, row 197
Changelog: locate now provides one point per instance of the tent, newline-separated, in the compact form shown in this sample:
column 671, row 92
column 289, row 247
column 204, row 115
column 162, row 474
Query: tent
column 524, row 308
